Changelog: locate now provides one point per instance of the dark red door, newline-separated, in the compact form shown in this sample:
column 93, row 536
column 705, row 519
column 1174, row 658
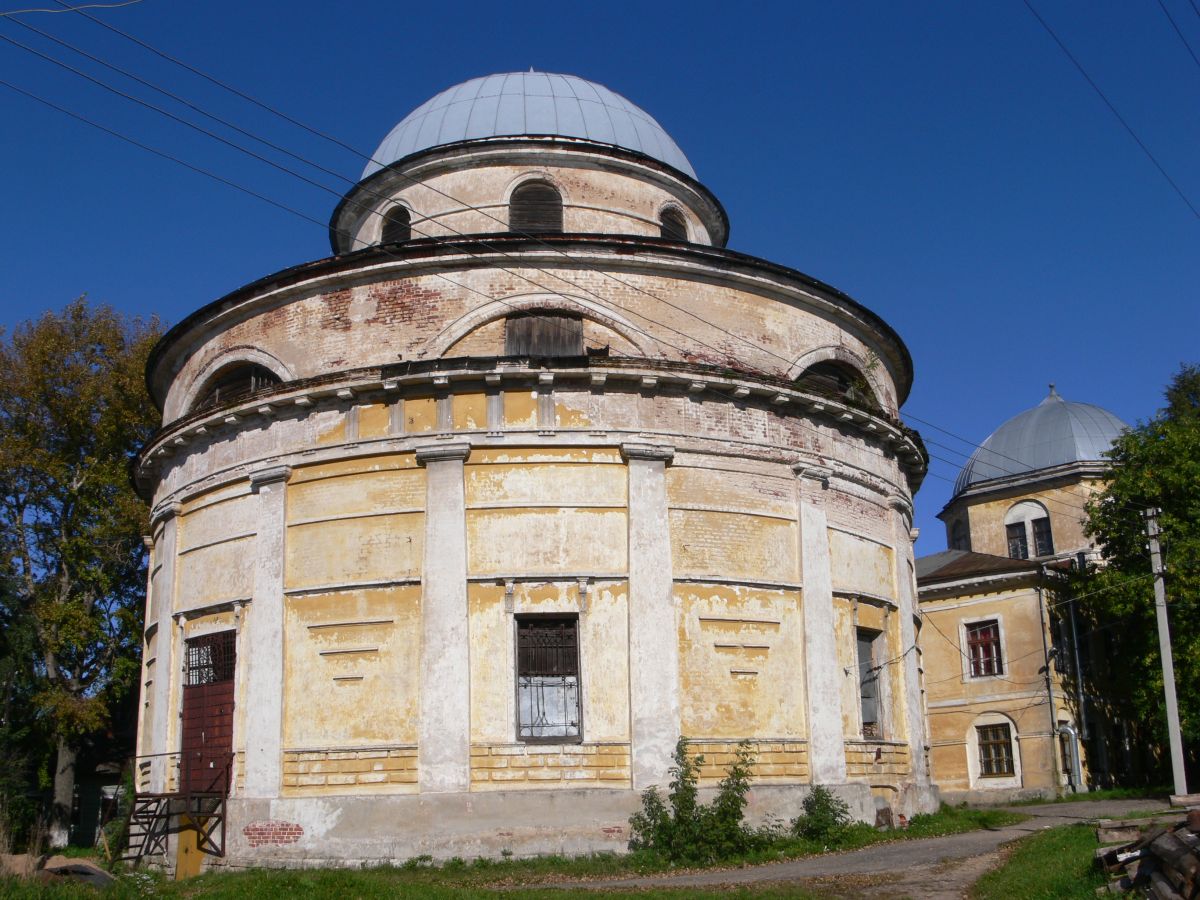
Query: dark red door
column 208, row 714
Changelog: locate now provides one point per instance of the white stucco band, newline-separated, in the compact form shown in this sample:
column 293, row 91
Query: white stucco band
column 653, row 619
column 264, row 624
column 163, row 603
column 827, row 756
column 444, row 727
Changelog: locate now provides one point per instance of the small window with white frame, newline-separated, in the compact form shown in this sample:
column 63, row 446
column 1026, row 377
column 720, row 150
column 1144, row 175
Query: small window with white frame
column 984, row 652
column 995, row 750
column 869, row 642
column 1026, row 528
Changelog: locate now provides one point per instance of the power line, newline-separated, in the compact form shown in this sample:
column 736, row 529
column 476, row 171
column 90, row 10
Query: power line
column 1175, row 25
column 1082, row 71
column 79, row 9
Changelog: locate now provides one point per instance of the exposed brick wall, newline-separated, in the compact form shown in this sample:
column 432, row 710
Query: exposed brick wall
column 271, row 832
column 783, row 761
column 511, row 766
column 871, row 759
column 349, row 771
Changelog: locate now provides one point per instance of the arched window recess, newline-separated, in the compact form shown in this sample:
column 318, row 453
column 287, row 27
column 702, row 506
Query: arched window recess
column 672, row 225
column 397, row 225
column 543, row 333
column 233, row 383
column 839, row 381
column 535, row 208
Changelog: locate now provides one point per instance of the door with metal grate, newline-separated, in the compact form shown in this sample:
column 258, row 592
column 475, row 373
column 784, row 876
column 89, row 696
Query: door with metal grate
column 208, row 714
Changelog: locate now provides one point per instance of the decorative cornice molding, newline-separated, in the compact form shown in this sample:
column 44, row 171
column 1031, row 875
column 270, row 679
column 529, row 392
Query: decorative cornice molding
column 442, row 452
column 270, row 475
column 663, row 453
column 819, row 474
column 166, row 511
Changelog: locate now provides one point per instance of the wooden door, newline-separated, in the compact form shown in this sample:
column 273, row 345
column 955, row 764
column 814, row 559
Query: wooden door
column 208, row 714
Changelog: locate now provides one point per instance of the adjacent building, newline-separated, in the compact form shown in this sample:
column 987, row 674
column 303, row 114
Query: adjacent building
column 458, row 530
column 1008, row 716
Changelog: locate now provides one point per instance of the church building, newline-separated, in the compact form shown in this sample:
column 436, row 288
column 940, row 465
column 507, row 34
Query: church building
column 457, row 530
column 1008, row 714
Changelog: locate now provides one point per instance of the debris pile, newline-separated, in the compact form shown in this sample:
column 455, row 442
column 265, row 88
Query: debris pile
column 1163, row 863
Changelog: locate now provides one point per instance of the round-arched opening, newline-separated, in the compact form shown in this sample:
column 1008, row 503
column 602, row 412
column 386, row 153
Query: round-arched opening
column 838, row 381
column 235, row 382
column 535, row 208
column 671, row 225
column 1027, row 530
column 397, row 225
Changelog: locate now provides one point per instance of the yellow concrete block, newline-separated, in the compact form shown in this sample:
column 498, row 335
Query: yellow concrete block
column 311, row 757
column 508, row 750
column 372, row 777
column 289, row 781
column 354, row 765
column 480, row 750
column 579, row 774
column 340, row 779
column 508, row 775
column 407, row 777
column 372, row 754
column 303, row 780
column 545, row 775
column 479, row 774
column 397, row 754
column 490, row 762
column 607, row 760
column 612, row 774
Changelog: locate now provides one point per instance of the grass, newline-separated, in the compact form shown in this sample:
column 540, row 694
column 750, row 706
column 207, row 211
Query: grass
column 1142, row 793
column 1056, row 863
column 530, row 879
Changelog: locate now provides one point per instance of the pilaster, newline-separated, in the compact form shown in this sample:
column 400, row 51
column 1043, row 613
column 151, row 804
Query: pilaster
column 164, row 524
column 262, row 627
column 653, row 620
column 914, row 707
column 444, row 730
column 826, row 745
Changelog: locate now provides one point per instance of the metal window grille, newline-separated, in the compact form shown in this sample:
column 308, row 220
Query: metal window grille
column 210, row 658
column 1018, row 542
column 983, row 649
column 543, row 334
column 236, row 383
column 1043, row 541
column 397, row 225
column 995, row 751
column 1064, row 750
column 535, row 209
column 868, row 681
column 548, row 679
column 672, row 227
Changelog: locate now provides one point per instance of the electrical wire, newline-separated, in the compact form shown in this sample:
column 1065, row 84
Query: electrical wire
column 1187, row 46
column 1133, row 134
column 79, row 9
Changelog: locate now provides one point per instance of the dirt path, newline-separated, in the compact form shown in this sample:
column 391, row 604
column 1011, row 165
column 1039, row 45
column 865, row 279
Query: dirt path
column 941, row 868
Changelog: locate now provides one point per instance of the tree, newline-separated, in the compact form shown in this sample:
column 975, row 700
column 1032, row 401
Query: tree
column 73, row 411
column 1156, row 464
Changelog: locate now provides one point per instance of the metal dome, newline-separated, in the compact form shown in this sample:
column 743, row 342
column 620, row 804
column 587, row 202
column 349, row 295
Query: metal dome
column 1053, row 433
column 520, row 103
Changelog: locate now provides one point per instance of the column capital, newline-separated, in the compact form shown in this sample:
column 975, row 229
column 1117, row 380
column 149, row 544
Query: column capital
column 901, row 504
column 655, row 452
column 164, row 511
column 440, row 452
column 819, row 474
column 261, row 478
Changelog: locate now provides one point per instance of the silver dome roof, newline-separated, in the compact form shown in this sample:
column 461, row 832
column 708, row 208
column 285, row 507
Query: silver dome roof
column 520, row 103
column 1053, row 433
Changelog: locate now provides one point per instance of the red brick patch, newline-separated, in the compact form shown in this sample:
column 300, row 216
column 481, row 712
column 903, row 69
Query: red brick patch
column 259, row 833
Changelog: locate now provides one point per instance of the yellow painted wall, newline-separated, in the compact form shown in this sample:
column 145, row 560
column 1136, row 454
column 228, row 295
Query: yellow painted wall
column 216, row 549
column 352, row 668
column 741, row 662
column 861, row 565
column 1064, row 505
column 374, row 421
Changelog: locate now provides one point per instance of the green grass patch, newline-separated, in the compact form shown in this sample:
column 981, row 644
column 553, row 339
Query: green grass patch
column 528, row 879
column 1134, row 793
column 1056, row 863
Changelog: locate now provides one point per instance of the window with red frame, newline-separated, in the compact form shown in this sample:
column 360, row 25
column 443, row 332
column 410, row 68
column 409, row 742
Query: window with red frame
column 983, row 648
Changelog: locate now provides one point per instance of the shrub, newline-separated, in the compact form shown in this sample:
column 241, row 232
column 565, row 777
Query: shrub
column 825, row 816
column 681, row 829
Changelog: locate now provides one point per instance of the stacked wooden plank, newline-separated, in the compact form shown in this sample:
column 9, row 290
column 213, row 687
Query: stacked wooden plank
column 1163, row 863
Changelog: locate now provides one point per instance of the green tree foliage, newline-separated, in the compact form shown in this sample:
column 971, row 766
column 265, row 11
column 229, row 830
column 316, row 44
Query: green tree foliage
column 1156, row 464
column 73, row 411
column 825, row 816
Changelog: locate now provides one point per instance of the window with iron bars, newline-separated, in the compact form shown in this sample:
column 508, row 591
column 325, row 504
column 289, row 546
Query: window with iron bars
column 210, row 658
column 548, row 707
column 995, row 751
column 983, row 648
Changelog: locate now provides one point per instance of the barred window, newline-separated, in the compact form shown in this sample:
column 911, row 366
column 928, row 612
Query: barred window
column 535, row 208
column 235, row 382
column 868, row 681
column 548, row 679
column 672, row 226
column 1018, row 542
column 983, row 648
column 210, row 658
column 397, row 225
column 995, row 751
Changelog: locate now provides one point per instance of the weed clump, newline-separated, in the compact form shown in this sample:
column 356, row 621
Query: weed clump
column 825, row 816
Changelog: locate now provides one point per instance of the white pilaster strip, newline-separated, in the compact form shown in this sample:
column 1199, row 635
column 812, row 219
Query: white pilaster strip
column 263, row 630
column 165, row 526
column 653, row 620
column 444, row 731
column 914, row 707
column 826, row 745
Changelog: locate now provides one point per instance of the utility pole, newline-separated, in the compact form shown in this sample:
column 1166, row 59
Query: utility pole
column 1164, row 646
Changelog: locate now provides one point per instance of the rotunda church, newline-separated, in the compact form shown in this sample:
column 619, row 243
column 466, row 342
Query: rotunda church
column 459, row 529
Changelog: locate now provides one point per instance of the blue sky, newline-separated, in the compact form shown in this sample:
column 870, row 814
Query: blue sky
column 941, row 162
